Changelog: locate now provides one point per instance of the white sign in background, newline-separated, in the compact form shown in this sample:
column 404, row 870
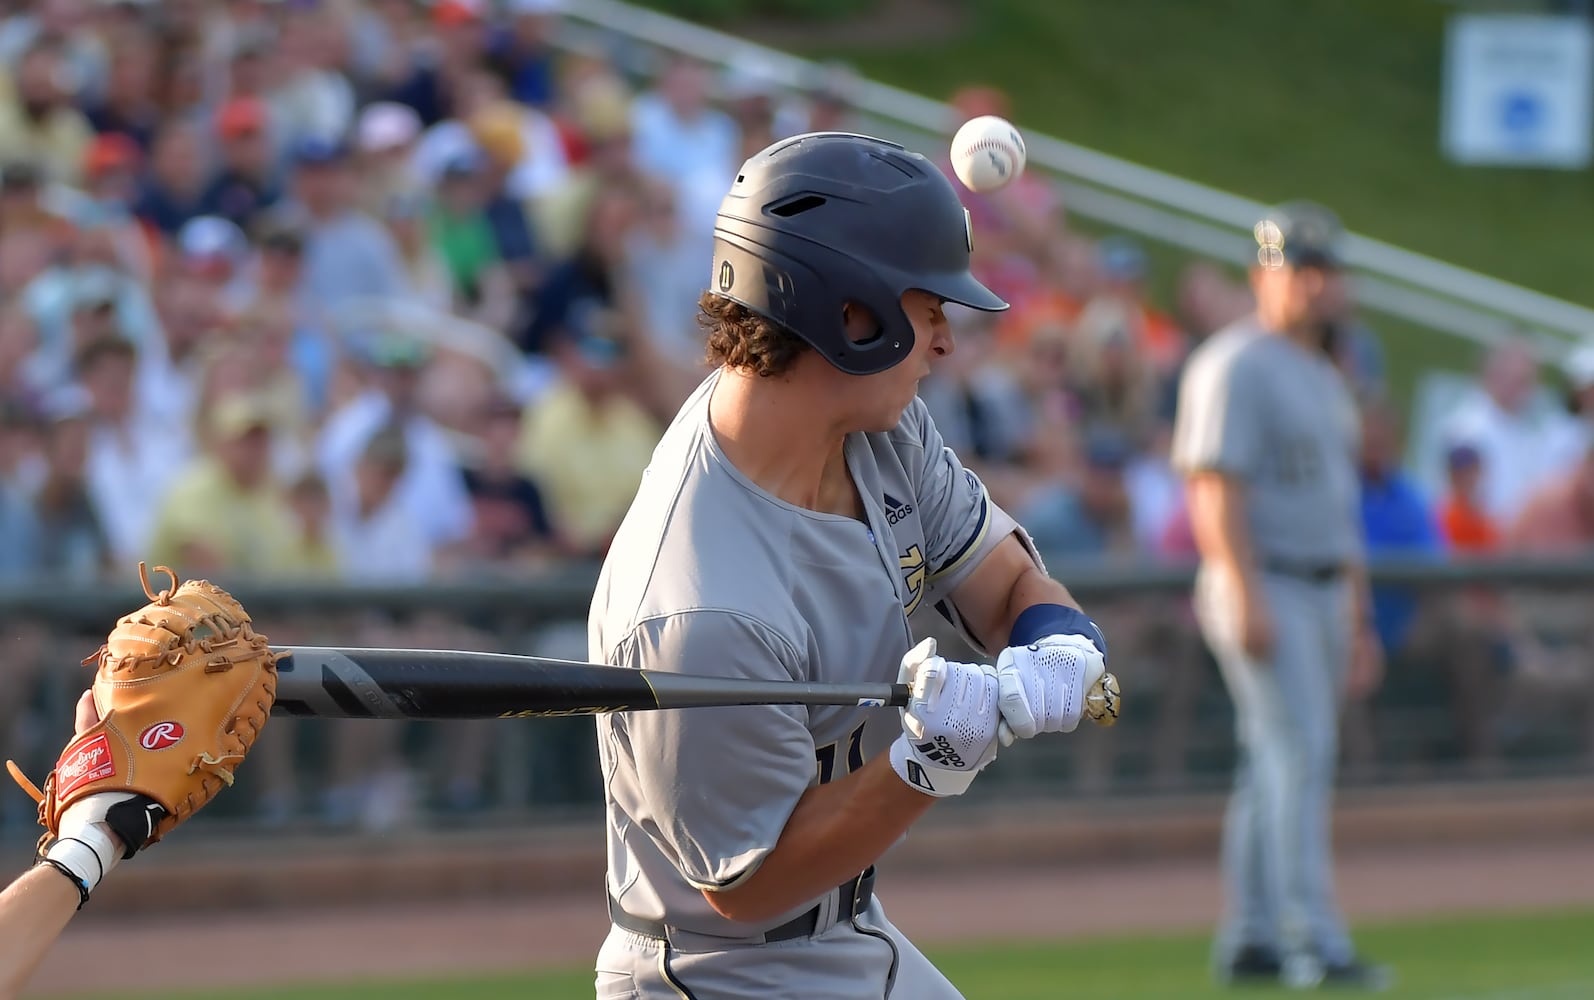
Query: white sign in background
column 1517, row 90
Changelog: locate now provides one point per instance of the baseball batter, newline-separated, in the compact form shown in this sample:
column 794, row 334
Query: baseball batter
column 1266, row 434
column 799, row 513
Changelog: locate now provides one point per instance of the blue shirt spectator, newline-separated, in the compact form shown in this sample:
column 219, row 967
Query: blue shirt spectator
column 1397, row 520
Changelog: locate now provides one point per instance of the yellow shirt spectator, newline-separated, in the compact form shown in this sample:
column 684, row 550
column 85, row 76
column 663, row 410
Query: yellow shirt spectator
column 587, row 454
column 55, row 140
column 225, row 513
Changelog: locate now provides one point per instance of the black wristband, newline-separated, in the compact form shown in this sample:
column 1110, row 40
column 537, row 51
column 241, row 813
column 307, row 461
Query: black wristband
column 82, row 886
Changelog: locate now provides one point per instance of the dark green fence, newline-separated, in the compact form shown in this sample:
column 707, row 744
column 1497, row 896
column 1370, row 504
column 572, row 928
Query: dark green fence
column 1493, row 675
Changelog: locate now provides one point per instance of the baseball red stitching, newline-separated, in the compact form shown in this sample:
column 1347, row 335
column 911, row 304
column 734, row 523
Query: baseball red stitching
column 980, row 144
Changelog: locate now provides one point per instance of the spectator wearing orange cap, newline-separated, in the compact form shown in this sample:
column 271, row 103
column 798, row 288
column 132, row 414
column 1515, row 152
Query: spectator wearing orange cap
column 248, row 181
column 111, row 167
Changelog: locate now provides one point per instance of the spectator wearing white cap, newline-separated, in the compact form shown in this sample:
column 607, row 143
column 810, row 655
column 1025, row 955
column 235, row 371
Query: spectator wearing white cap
column 215, row 251
column 385, row 142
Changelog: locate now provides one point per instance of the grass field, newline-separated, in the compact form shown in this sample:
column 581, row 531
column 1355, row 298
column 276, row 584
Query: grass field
column 1318, row 98
column 1542, row 956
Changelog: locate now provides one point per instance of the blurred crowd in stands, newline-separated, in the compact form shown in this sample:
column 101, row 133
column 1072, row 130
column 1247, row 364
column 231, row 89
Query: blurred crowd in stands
column 396, row 291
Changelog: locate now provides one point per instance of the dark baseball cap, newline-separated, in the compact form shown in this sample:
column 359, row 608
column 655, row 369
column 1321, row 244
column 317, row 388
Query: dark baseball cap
column 1462, row 456
column 317, row 150
column 1300, row 234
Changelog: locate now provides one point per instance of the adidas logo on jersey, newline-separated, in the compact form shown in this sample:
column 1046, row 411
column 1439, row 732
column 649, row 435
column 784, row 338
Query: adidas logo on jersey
column 896, row 510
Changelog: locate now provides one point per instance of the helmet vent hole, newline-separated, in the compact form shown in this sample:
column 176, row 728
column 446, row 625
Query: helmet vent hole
column 796, row 206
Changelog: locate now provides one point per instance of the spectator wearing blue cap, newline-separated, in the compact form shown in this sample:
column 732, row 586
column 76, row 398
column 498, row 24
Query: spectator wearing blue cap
column 464, row 236
column 347, row 254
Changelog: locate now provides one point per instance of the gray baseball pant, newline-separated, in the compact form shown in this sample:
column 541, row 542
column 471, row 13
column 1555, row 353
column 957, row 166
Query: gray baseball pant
column 1277, row 852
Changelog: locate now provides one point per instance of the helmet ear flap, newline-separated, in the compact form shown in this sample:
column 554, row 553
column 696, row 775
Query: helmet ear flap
column 800, row 296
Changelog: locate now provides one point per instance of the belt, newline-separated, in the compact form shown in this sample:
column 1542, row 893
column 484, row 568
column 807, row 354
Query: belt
column 856, row 893
column 1315, row 572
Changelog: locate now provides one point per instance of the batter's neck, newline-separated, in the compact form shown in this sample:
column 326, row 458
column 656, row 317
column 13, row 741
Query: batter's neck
column 774, row 435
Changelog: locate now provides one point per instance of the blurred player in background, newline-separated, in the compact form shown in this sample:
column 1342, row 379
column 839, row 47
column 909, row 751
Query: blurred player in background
column 1266, row 435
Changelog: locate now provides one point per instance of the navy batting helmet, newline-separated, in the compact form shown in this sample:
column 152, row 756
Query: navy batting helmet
column 825, row 218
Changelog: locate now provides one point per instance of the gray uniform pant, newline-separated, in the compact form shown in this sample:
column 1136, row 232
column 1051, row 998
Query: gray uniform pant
column 1277, row 852
column 862, row 959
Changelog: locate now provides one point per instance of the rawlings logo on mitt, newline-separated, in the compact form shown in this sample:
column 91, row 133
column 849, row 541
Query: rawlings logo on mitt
column 183, row 687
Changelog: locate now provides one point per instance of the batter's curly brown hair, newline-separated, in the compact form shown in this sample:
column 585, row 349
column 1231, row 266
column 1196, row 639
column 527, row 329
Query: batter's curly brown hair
column 741, row 338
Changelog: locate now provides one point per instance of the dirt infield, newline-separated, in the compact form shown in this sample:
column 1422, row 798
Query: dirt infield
column 1484, row 851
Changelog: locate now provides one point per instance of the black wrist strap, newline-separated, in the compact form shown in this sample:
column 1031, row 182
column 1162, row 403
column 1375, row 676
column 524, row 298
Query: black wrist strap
column 82, row 886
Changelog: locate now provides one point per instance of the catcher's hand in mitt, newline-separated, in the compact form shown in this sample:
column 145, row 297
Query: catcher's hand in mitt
column 181, row 690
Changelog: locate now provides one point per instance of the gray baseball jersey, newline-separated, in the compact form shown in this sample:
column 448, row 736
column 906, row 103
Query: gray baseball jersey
column 711, row 574
column 1279, row 418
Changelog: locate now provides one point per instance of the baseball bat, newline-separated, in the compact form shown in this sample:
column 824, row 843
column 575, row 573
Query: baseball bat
column 434, row 684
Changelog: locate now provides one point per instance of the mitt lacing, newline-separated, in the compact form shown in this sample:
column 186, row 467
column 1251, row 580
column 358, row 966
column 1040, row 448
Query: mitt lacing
column 223, row 634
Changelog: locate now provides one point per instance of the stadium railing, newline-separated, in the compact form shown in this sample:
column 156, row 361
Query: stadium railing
column 1111, row 191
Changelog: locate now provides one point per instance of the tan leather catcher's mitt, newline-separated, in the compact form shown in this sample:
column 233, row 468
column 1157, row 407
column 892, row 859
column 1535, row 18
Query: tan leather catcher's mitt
column 183, row 687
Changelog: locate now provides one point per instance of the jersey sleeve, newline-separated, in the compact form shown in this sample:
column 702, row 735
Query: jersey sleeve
column 961, row 523
column 1215, row 429
column 713, row 787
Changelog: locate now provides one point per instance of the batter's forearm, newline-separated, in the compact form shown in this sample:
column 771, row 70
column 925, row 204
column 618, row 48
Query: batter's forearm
column 34, row 910
column 836, row 831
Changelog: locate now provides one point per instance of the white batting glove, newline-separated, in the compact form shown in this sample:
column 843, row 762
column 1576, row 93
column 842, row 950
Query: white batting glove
column 1043, row 685
column 949, row 726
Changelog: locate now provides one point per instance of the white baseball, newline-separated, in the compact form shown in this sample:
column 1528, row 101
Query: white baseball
column 987, row 153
